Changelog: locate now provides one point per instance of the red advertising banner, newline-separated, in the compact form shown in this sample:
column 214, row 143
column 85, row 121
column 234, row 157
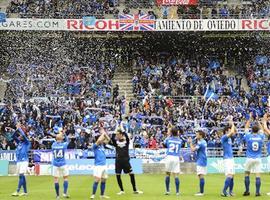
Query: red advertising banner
column 177, row 2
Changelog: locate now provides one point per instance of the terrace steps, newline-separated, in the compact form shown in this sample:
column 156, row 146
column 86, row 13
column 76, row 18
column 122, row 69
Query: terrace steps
column 3, row 87
column 123, row 77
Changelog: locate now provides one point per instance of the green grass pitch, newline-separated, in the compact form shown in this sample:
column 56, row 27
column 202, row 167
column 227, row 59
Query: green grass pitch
column 42, row 188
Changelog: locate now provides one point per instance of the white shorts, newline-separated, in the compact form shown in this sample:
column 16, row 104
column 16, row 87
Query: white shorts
column 22, row 167
column 100, row 171
column 229, row 166
column 172, row 164
column 60, row 171
column 201, row 170
column 253, row 165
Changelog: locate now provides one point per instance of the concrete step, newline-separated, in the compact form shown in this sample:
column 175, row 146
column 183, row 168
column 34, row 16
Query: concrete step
column 3, row 87
column 121, row 80
column 123, row 85
column 127, row 94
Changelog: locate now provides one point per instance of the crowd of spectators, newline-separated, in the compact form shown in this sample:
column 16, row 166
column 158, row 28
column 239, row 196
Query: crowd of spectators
column 62, row 9
column 111, row 8
column 64, row 83
column 173, row 76
column 258, row 75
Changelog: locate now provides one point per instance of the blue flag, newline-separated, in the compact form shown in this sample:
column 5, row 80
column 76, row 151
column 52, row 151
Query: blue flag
column 3, row 17
column 89, row 21
column 210, row 94
column 214, row 64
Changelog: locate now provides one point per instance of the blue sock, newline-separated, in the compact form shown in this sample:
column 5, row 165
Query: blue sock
column 20, row 183
column 226, row 184
column 65, row 186
column 24, row 184
column 177, row 184
column 247, row 183
column 56, row 186
column 202, row 182
column 167, row 183
column 102, row 188
column 231, row 186
column 95, row 185
column 258, row 185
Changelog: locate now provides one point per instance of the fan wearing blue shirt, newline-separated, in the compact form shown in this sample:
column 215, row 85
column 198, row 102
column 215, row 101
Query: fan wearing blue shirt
column 172, row 165
column 100, row 169
column 254, row 142
column 23, row 146
column 59, row 148
column 226, row 141
column 201, row 149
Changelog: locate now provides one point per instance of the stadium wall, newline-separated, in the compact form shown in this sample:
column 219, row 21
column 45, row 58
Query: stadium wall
column 159, row 168
column 147, row 168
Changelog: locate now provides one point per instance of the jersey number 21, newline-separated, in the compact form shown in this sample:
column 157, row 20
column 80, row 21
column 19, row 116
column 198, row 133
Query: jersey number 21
column 173, row 148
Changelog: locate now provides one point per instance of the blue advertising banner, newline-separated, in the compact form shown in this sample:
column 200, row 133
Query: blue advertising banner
column 216, row 165
column 152, row 156
column 85, row 166
column 8, row 155
column 45, row 156
column 4, row 167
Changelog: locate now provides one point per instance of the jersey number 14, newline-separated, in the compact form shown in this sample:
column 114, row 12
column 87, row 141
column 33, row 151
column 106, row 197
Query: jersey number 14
column 58, row 153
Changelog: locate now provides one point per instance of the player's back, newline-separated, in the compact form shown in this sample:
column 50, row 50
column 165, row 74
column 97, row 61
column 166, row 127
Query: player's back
column 22, row 150
column 173, row 145
column 201, row 153
column 59, row 149
column 100, row 156
column 227, row 147
column 254, row 145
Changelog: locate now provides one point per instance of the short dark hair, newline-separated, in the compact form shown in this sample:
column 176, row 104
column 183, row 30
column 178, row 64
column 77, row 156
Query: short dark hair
column 201, row 133
column 226, row 128
column 174, row 131
column 120, row 131
column 255, row 128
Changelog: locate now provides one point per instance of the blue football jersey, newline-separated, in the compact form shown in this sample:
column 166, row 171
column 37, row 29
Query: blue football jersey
column 58, row 150
column 201, row 148
column 173, row 145
column 100, row 156
column 23, row 146
column 254, row 144
column 227, row 147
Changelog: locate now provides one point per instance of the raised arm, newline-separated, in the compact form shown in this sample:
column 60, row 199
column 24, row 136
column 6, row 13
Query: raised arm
column 192, row 146
column 264, row 125
column 15, row 138
column 233, row 128
column 126, row 136
column 21, row 132
column 247, row 125
column 105, row 135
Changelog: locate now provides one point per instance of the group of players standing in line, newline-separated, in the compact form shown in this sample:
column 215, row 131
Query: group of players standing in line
column 254, row 142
